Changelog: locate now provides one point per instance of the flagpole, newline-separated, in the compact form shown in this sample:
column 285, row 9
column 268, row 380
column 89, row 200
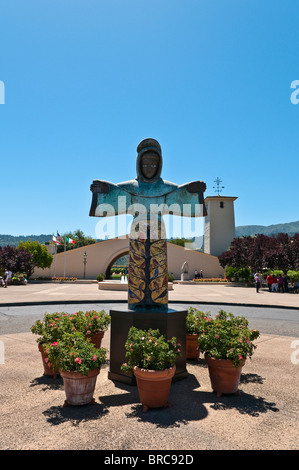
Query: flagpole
column 55, row 252
column 55, row 260
column 64, row 254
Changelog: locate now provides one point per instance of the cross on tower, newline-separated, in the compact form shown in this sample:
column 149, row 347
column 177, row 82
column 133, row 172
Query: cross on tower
column 218, row 182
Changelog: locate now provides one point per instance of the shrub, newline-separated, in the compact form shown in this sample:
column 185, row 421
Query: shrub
column 74, row 353
column 195, row 320
column 95, row 321
column 100, row 277
column 54, row 325
column 148, row 349
column 51, row 328
column 238, row 273
column 18, row 278
column 227, row 337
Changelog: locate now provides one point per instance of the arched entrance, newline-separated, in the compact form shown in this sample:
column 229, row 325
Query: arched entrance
column 121, row 256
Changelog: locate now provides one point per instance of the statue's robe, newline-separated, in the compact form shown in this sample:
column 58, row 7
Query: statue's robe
column 147, row 202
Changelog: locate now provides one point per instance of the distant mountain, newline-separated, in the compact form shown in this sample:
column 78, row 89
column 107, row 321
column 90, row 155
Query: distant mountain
column 242, row 231
column 15, row 240
column 246, row 230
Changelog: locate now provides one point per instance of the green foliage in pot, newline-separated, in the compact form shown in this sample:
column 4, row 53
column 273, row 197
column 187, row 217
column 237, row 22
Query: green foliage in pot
column 97, row 321
column 228, row 337
column 195, row 321
column 100, row 277
column 18, row 279
column 54, row 325
column 73, row 352
column 89, row 322
column 148, row 349
column 51, row 328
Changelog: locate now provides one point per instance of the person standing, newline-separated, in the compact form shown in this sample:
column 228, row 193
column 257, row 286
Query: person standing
column 280, row 283
column 258, row 280
column 7, row 277
column 286, row 283
column 269, row 282
column 274, row 283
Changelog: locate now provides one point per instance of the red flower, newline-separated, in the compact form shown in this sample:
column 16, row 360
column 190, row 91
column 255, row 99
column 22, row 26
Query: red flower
column 78, row 360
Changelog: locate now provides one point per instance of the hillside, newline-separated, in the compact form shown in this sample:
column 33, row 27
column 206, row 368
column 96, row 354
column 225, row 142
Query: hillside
column 246, row 230
column 242, row 231
column 15, row 240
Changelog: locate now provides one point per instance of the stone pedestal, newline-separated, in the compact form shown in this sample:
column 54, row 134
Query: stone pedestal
column 171, row 323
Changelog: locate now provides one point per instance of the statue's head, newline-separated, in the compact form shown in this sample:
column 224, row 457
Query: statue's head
column 149, row 161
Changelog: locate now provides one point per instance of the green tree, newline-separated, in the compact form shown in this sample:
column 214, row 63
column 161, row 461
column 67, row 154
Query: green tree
column 40, row 256
column 80, row 239
column 180, row 241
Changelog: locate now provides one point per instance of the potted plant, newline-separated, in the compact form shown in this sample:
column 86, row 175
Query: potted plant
column 195, row 320
column 49, row 330
column 227, row 342
column 19, row 279
column 92, row 324
column 96, row 325
column 79, row 363
column 152, row 359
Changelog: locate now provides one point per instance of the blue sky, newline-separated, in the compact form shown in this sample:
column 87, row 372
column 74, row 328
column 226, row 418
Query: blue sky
column 85, row 81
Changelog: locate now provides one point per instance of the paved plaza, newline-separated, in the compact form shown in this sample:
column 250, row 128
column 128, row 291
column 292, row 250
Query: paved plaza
column 88, row 291
column 264, row 417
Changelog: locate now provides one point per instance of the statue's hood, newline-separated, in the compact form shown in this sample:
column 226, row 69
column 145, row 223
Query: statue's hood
column 143, row 147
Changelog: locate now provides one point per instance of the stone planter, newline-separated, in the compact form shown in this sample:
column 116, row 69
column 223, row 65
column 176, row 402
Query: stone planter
column 79, row 389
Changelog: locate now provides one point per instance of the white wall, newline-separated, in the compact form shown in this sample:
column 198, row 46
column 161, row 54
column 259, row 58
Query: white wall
column 100, row 255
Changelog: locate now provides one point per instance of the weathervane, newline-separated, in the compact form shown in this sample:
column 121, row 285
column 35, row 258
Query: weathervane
column 218, row 181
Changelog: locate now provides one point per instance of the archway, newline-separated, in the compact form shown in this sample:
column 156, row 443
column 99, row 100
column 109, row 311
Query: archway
column 113, row 261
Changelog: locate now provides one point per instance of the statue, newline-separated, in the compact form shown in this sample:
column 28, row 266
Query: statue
column 184, row 268
column 185, row 272
column 147, row 198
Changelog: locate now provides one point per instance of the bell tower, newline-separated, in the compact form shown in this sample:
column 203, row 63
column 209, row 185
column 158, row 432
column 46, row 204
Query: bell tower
column 219, row 225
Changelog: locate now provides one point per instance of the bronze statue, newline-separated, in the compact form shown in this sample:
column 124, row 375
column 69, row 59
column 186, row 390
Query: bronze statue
column 147, row 198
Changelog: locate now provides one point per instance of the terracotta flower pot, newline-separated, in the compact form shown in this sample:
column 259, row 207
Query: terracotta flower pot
column 154, row 386
column 48, row 370
column 79, row 389
column 192, row 351
column 96, row 338
column 224, row 376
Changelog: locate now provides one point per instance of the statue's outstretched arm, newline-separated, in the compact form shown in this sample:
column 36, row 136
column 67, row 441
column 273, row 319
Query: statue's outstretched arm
column 108, row 199
column 189, row 193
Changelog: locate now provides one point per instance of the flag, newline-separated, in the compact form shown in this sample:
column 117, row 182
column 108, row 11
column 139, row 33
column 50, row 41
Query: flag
column 59, row 237
column 54, row 239
column 69, row 240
